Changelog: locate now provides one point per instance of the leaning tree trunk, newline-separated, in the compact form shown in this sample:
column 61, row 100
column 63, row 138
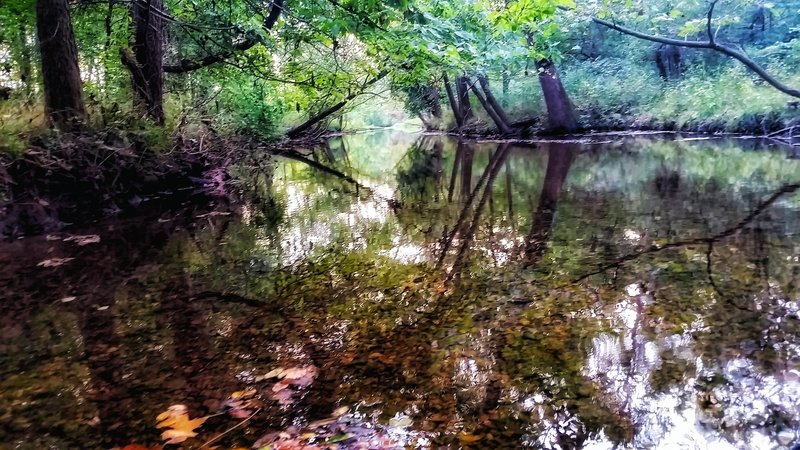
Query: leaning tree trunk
column 501, row 124
column 498, row 108
column 560, row 114
column 327, row 112
column 148, row 51
column 63, row 92
column 465, row 107
column 453, row 101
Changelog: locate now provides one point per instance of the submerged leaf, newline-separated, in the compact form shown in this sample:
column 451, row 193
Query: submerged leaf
column 181, row 427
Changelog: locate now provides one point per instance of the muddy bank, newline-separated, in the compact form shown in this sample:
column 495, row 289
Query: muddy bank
column 64, row 179
column 591, row 120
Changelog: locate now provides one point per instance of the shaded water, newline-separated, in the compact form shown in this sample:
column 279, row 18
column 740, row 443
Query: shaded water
column 640, row 294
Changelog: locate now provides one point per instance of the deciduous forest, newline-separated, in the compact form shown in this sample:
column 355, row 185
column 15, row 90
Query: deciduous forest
column 361, row 224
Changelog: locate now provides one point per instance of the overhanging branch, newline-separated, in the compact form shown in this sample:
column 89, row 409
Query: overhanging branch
column 249, row 42
column 710, row 45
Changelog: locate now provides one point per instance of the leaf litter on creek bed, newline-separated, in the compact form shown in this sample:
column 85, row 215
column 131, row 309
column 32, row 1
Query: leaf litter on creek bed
column 339, row 431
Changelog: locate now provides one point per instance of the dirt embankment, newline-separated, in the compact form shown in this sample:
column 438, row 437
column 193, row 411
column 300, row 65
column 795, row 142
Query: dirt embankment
column 64, row 179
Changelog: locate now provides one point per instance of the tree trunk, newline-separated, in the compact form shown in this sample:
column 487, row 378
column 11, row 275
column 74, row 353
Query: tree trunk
column 559, row 162
column 453, row 102
column 464, row 105
column 63, row 91
column 148, row 50
column 506, row 86
column 490, row 98
column 23, row 57
column 560, row 114
column 501, row 125
column 433, row 101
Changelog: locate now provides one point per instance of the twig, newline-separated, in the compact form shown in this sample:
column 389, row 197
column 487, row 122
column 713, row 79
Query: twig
column 219, row 436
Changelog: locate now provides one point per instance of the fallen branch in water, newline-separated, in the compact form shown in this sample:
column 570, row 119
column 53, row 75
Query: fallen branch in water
column 219, row 436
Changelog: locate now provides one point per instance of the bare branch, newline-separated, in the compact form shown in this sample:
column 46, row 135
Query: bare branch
column 711, row 45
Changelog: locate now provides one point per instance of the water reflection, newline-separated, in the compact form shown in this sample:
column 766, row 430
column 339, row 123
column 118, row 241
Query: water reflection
column 638, row 294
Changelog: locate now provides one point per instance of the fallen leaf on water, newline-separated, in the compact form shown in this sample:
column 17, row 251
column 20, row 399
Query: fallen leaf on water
column 339, row 438
column 283, row 397
column 181, row 427
column 54, row 262
column 300, row 376
column 400, row 422
column 141, row 447
column 242, row 404
column 468, row 438
column 272, row 374
column 84, row 239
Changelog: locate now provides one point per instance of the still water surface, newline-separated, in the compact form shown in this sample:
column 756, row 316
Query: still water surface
column 420, row 292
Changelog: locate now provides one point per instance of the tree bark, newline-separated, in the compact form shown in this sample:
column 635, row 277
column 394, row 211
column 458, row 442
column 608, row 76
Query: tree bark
column 63, row 91
column 501, row 125
column 433, row 101
column 327, row 112
column 498, row 108
column 453, row 102
column 148, row 51
column 464, row 105
column 560, row 114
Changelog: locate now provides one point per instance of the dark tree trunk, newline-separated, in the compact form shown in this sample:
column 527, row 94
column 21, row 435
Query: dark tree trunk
column 506, row 86
column 559, row 162
column 490, row 98
column 669, row 60
column 453, row 102
column 63, row 91
column 560, row 114
column 464, row 105
column 148, row 51
column 433, row 101
column 501, row 125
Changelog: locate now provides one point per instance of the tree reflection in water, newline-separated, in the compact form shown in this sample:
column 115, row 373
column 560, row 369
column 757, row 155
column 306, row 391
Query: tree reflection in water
column 641, row 294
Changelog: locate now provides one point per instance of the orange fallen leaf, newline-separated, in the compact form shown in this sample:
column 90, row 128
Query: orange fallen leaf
column 180, row 426
column 469, row 438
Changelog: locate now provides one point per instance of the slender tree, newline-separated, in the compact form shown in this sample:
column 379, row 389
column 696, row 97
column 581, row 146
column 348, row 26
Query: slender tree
column 146, row 62
column 63, row 91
